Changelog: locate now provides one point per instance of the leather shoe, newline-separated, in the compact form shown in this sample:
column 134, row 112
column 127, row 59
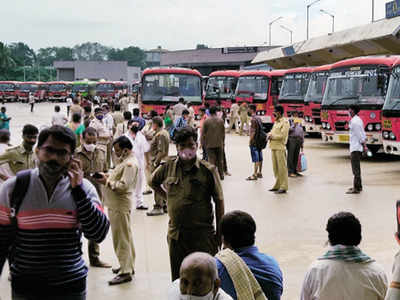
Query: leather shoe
column 116, row 270
column 142, row 207
column 119, row 279
column 353, row 191
column 155, row 212
column 99, row 264
column 280, row 192
column 273, row 190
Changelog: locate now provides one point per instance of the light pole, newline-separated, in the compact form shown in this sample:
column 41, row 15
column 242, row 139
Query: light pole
column 332, row 16
column 291, row 33
column 270, row 25
column 308, row 16
column 373, row 11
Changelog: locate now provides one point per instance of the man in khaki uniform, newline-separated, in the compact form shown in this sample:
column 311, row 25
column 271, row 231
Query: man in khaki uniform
column 104, row 134
column 117, row 115
column 93, row 160
column 277, row 142
column 21, row 157
column 159, row 148
column 76, row 108
column 234, row 118
column 119, row 186
column 244, row 118
column 124, row 102
column 189, row 185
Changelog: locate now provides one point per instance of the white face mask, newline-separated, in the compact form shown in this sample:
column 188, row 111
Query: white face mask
column 209, row 296
column 89, row 147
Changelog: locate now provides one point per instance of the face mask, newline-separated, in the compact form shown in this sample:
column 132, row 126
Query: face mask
column 209, row 296
column 89, row 147
column 187, row 154
column 99, row 117
column 51, row 168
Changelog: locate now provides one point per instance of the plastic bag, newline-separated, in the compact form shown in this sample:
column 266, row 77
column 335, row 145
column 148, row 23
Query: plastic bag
column 302, row 163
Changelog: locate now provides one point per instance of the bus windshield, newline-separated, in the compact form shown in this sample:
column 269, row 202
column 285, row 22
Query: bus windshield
column 171, row 87
column 316, row 89
column 393, row 95
column 361, row 90
column 256, row 86
column 80, row 87
column 57, row 87
column 105, row 87
column 221, row 87
column 7, row 87
column 29, row 87
column 294, row 86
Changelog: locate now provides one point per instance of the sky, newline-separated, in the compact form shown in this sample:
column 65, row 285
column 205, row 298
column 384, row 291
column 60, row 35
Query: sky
column 175, row 24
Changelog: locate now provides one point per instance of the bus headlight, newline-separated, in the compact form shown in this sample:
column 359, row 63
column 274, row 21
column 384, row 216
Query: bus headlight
column 378, row 127
column 370, row 127
column 392, row 136
column 386, row 135
column 324, row 125
column 328, row 126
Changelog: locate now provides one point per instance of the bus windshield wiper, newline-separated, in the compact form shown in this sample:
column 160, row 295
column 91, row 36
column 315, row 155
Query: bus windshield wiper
column 344, row 98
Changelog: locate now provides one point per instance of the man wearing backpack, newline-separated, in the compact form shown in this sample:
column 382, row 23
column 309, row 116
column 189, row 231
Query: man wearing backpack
column 258, row 142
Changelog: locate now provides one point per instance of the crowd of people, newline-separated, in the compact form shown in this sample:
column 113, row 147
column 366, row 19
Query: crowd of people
column 57, row 183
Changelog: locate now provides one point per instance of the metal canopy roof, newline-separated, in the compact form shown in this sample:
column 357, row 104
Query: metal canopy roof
column 381, row 37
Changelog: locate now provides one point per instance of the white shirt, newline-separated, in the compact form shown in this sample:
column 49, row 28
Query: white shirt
column 339, row 280
column 69, row 101
column 174, row 293
column 394, row 289
column 5, row 168
column 31, row 99
column 357, row 134
column 59, row 119
column 140, row 147
column 108, row 122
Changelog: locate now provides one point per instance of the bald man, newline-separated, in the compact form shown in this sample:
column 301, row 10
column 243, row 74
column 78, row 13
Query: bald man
column 198, row 277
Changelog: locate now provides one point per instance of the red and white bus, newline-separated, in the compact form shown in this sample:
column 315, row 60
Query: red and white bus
column 294, row 89
column 362, row 81
column 37, row 88
column 9, row 90
column 162, row 86
column 109, row 89
column 262, row 89
column 313, row 99
column 58, row 90
column 221, row 86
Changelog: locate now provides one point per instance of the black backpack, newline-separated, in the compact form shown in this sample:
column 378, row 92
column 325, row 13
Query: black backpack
column 261, row 136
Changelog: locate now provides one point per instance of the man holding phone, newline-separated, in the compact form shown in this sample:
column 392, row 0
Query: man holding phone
column 57, row 207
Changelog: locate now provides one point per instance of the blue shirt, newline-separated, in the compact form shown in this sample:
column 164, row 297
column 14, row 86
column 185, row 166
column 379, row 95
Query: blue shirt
column 141, row 122
column 180, row 122
column 264, row 268
column 4, row 124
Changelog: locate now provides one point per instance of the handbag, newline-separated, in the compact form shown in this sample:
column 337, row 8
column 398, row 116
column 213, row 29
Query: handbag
column 302, row 163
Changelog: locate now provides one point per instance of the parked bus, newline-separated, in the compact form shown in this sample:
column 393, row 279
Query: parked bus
column 58, row 90
column 9, row 90
column 163, row 85
column 221, row 85
column 85, row 88
column 294, row 89
column 362, row 81
column 313, row 99
column 106, row 89
column 37, row 88
column 391, row 114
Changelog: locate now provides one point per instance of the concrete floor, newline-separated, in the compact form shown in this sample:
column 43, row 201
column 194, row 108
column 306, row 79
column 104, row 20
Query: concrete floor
column 290, row 227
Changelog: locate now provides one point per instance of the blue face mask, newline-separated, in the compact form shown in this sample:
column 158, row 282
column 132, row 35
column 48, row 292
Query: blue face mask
column 99, row 117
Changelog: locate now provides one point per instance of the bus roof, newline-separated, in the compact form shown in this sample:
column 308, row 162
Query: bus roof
column 299, row 70
column 255, row 73
column 231, row 73
column 32, row 82
column 366, row 60
column 278, row 73
column 322, row 68
column 167, row 70
column 13, row 82
column 58, row 82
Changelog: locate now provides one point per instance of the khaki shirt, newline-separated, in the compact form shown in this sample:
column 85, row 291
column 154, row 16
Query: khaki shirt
column 189, row 195
column 124, row 102
column 279, row 134
column 243, row 111
column 92, row 162
column 102, row 130
column 159, row 147
column 76, row 109
column 118, row 118
column 121, row 183
column 18, row 159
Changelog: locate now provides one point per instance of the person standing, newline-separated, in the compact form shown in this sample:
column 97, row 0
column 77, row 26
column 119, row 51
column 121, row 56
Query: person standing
column 118, row 188
column 123, row 127
column 21, row 157
column 87, row 116
column 393, row 292
column 190, row 184
column 93, row 160
column 104, row 137
column 117, row 115
column 58, row 206
column 234, row 117
column 138, row 118
column 159, row 149
column 344, row 271
column 31, row 100
column 203, row 117
column 168, row 119
column 179, row 108
column 124, row 102
column 4, row 119
column 191, row 114
column 213, row 139
column 255, row 150
column 77, row 127
column 295, row 144
column 277, row 143
column 5, row 170
column 76, row 108
column 58, row 118
column 68, row 100
column 358, row 145
column 244, row 118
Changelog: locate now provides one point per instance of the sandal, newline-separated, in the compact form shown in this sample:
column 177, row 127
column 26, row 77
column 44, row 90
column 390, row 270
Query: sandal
column 259, row 175
column 251, row 178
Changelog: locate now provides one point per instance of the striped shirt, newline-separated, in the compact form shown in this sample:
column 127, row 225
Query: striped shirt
column 47, row 251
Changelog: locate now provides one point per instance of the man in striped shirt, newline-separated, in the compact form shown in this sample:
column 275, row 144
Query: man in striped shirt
column 46, row 257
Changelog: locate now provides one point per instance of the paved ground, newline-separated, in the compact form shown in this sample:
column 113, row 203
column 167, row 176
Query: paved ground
column 290, row 227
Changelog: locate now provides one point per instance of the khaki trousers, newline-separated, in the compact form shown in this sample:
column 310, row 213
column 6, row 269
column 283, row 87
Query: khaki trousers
column 120, row 222
column 279, row 165
column 244, row 120
column 234, row 121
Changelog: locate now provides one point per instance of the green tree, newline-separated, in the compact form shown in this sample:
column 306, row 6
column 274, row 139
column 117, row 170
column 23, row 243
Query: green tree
column 135, row 56
column 22, row 54
column 47, row 56
column 90, row 51
column 7, row 63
